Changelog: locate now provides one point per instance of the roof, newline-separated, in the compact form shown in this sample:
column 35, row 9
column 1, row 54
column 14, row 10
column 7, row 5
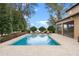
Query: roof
column 72, row 7
column 68, row 17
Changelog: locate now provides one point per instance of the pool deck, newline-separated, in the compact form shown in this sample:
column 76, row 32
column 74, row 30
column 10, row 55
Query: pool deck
column 68, row 47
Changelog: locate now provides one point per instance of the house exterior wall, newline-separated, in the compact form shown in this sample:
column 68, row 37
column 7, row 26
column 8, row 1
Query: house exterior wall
column 74, row 10
column 73, row 18
column 62, row 24
column 60, row 28
column 76, row 27
column 67, row 20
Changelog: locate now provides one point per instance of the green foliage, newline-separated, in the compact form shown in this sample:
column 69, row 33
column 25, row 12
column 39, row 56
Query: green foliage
column 12, row 17
column 33, row 29
column 51, row 29
column 28, row 31
column 55, row 8
column 19, row 22
column 11, row 20
column 52, row 21
column 4, row 20
column 42, row 29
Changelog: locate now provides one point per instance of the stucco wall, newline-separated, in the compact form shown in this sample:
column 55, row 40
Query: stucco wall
column 76, row 21
column 76, row 27
column 64, row 21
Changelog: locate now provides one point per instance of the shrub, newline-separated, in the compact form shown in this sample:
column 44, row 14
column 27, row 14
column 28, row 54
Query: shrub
column 51, row 29
column 28, row 31
column 33, row 29
column 42, row 29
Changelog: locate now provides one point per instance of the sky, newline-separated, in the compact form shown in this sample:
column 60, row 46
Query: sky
column 40, row 18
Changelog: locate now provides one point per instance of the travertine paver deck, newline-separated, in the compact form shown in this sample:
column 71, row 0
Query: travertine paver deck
column 68, row 47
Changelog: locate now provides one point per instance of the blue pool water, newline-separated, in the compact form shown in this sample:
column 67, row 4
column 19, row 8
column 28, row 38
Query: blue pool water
column 36, row 39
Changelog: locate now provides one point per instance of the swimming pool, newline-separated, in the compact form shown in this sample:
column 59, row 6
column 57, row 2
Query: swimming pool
column 36, row 39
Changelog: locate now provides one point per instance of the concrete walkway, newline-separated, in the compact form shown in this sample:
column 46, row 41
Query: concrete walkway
column 68, row 47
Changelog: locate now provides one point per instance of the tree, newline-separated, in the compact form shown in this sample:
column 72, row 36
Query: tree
column 56, row 9
column 51, row 21
column 4, row 19
column 55, row 12
column 18, row 22
column 11, row 20
column 42, row 29
column 27, row 9
column 51, row 29
column 33, row 29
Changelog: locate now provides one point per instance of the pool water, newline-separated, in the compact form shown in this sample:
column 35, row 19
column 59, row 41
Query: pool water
column 36, row 39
